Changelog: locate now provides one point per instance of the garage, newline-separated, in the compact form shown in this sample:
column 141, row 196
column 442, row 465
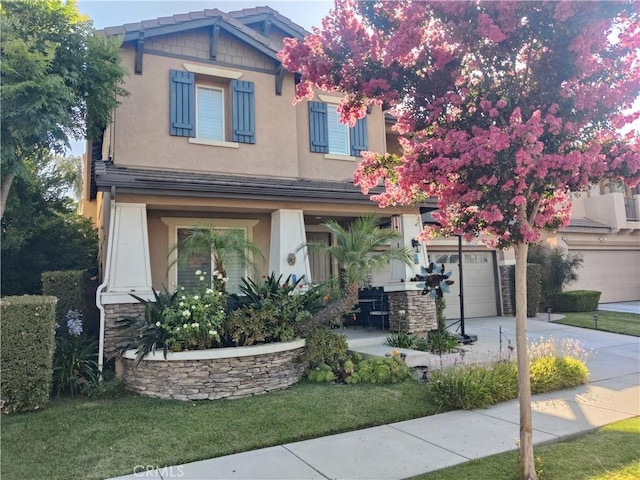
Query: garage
column 480, row 295
column 615, row 273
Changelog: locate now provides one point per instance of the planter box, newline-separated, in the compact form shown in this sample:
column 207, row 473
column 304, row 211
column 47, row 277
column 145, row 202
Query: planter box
column 216, row 373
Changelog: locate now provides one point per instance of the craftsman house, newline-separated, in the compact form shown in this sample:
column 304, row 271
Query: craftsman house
column 209, row 136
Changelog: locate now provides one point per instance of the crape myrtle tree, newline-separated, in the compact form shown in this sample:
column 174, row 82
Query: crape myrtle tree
column 503, row 109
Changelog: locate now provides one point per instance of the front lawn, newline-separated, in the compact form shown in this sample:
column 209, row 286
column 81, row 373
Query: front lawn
column 616, row 322
column 610, row 453
column 94, row 439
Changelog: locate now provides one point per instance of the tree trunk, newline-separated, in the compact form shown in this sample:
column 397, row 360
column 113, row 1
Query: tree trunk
column 338, row 308
column 6, row 186
column 524, row 380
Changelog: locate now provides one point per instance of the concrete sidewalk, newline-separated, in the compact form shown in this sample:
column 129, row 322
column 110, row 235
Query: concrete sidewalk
column 409, row 448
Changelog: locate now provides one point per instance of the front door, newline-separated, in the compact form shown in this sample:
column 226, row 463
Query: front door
column 319, row 262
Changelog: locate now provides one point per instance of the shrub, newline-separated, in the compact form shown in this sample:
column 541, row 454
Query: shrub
column 556, row 373
column 554, row 365
column 74, row 291
column 441, row 342
column 380, row 370
column 26, row 356
column 471, row 386
column 402, row 340
column 534, row 288
column 576, row 301
column 325, row 347
column 75, row 358
column 271, row 311
column 558, row 268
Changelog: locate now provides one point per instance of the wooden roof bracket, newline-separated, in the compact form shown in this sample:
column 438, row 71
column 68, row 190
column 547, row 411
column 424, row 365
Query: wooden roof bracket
column 139, row 53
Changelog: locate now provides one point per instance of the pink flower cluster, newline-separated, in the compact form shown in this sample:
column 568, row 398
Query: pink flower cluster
column 504, row 108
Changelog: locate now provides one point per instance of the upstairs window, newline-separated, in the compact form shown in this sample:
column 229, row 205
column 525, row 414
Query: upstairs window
column 338, row 133
column 199, row 111
column 210, row 116
column 328, row 135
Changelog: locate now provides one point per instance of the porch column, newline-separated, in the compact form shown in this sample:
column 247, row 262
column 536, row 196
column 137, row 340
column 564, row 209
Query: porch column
column 287, row 235
column 409, row 226
column 127, row 268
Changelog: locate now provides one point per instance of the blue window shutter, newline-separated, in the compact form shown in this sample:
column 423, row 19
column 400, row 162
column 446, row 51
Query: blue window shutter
column 182, row 118
column 243, row 111
column 359, row 138
column 318, row 131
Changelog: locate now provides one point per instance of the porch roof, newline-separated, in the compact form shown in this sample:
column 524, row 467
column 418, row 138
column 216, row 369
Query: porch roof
column 212, row 185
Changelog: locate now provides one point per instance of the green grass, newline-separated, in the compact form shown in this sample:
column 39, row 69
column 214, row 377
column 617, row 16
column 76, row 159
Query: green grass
column 610, row 453
column 93, row 439
column 616, row 322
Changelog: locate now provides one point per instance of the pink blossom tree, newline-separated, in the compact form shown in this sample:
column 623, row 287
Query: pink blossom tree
column 503, row 109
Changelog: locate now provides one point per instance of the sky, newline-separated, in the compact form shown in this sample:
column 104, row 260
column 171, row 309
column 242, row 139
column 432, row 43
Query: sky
column 108, row 13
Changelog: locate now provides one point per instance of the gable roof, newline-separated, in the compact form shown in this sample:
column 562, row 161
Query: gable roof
column 235, row 23
column 250, row 16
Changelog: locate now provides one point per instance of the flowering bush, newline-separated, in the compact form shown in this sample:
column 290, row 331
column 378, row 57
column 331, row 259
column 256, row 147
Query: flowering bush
column 193, row 321
column 75, row 359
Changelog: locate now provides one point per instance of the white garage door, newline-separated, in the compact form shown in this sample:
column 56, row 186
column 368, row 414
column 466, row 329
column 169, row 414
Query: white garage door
column 614, row 273
column 479, row 283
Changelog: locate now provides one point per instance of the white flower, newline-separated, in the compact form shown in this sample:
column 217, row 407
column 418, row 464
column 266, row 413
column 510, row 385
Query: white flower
column 219, row 294
column 207, row 305
column 157, row 324
column 184, row 325
column 177, row 328
column 219, row 276
column 196, row 297
column 181, row 304
column 225, row 280
column 193, row 307
column 201, row 278
column 186, row 313
column 209, row 291
column 198, row 272
column 182, row 288
column 212, row 332
column 195, row 325
column 183, row 297
column 215, row 272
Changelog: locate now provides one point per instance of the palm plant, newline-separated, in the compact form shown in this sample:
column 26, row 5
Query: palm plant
column 360, row 249
column 225, row 246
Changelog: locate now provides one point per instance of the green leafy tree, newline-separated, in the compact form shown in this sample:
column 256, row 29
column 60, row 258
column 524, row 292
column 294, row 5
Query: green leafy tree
column 60, row 80
column 41, row 230
column 361, row 249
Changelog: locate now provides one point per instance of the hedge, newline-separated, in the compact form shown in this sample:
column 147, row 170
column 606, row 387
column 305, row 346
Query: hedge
column 26, row 357
column 74, row 291
column 576, row 301
column 534, row 287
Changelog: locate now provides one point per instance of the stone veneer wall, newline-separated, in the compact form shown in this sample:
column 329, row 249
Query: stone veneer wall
column 412, row 312
column 213, row 378
column 507, row 284
column 113, row 312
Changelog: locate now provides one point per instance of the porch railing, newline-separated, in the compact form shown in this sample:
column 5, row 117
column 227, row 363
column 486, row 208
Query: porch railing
column 631, row 209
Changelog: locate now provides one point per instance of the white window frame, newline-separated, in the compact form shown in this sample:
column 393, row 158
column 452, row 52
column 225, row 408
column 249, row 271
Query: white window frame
column 175, row 223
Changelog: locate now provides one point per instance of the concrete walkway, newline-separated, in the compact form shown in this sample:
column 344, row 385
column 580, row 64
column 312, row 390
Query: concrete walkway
column 625, row 307
column 409, row 448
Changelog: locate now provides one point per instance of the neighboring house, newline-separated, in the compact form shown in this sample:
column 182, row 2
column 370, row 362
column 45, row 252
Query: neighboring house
column 605, row 232
column 209, row 136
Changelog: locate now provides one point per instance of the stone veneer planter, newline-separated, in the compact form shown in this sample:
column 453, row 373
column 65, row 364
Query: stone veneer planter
column 232, row 372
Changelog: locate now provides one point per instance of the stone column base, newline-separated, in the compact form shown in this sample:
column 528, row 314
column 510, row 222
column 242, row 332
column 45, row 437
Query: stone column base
column 411, row 312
